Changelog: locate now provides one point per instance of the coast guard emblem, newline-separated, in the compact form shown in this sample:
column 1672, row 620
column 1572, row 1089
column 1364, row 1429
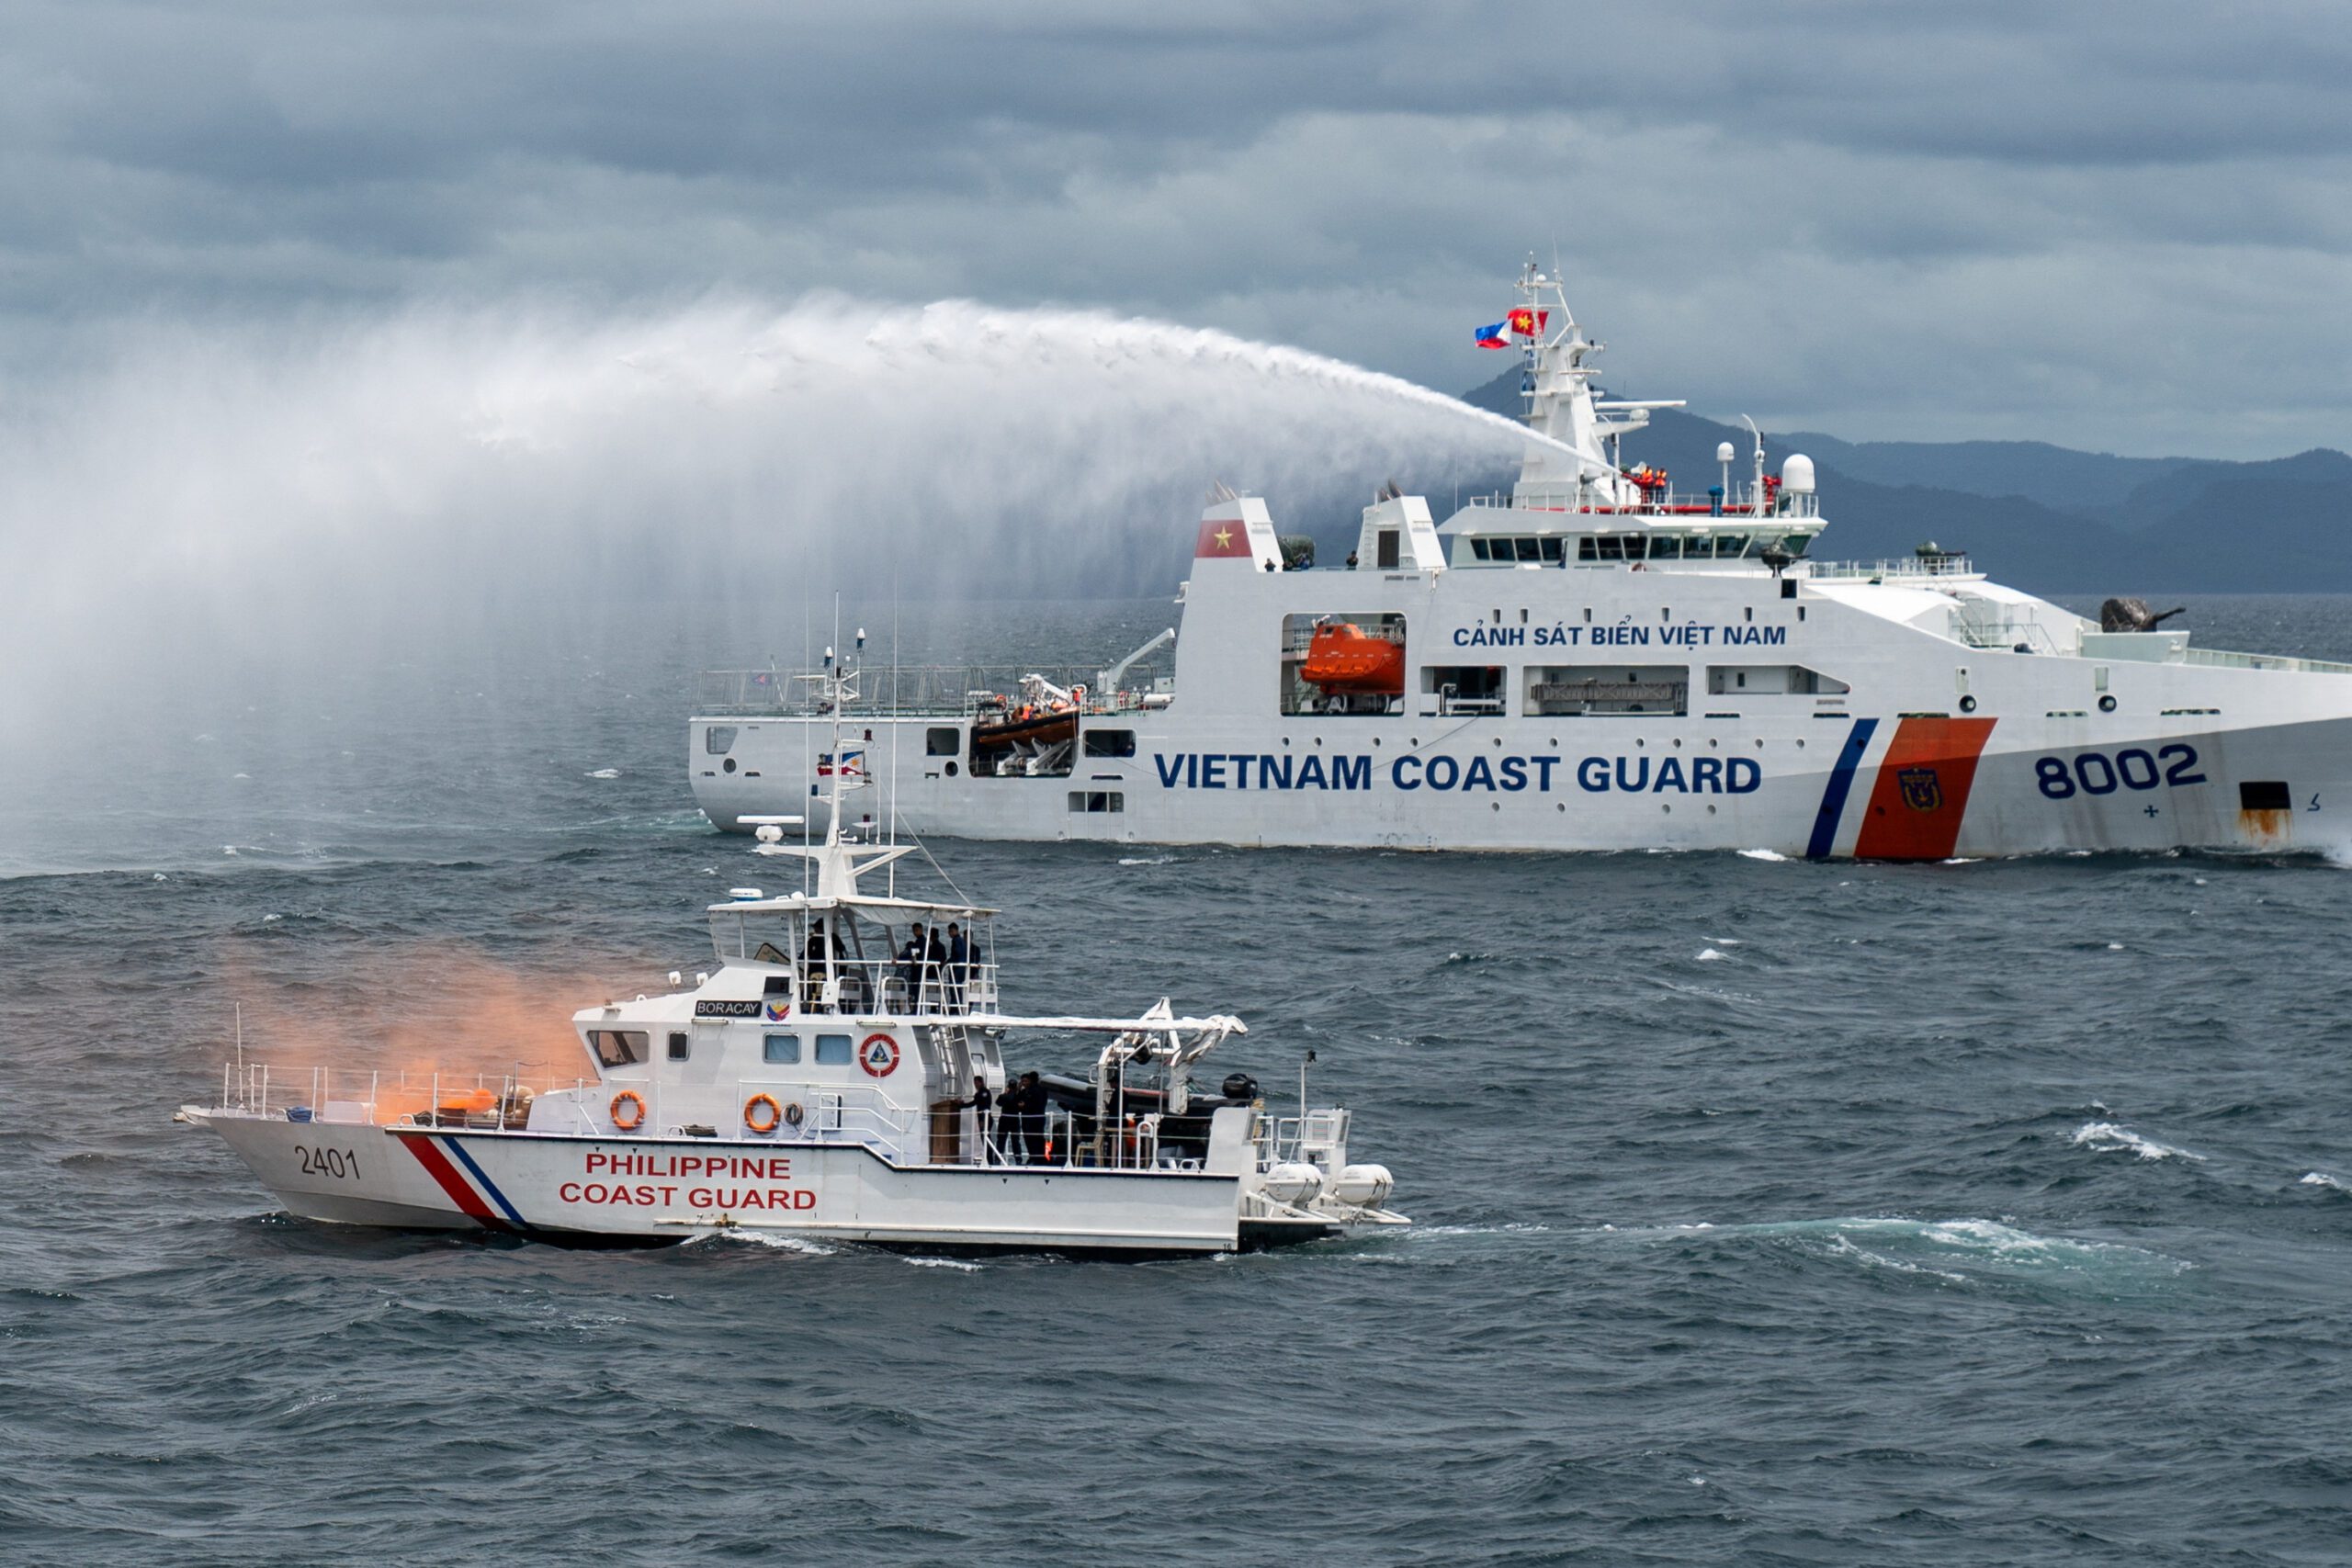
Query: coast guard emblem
column 1922, row 791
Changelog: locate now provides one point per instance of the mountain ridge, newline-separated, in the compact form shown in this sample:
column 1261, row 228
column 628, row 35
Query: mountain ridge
column 2042, row 517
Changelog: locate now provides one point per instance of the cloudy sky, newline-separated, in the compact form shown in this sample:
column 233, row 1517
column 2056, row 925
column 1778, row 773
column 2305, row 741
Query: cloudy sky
column 2120, row 228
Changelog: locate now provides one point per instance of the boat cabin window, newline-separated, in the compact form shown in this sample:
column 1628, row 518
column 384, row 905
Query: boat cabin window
column 781, row 1050
column 678, row 1045
column 1109, row 742
column 1086, row 800
column 1550, row 551
column 1347, row 665
column 1666, row 546
column 942, row 740
column 832, row 1050
column 718, row 739
column 1610, row 547
column 619, row 1047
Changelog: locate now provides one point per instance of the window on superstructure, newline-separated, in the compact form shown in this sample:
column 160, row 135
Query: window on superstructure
column 1731, row 546
column 620, row 1047
column 1531, row 549
column 1109, row 742
column 1666, row 546
column 781, row 1050
column 1610, row 548
column 1553, row 551
column 679, row 1045
column 942, row 740
column 832, row 1050
column 1587, row 549
column 718, row 739
column 1477, row 549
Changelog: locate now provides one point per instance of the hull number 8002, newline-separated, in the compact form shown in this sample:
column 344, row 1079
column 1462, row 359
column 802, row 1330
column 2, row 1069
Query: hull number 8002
column 2097, row 773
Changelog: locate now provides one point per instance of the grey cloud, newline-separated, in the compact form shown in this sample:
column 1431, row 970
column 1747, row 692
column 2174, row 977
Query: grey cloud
column 2106, row 227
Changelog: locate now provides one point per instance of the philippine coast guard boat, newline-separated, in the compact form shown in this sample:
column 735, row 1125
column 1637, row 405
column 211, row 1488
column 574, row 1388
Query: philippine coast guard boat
column 1593, row 662
column 824, row 1081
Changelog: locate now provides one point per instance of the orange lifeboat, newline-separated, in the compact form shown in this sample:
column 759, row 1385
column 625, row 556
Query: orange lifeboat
column 1343, row 657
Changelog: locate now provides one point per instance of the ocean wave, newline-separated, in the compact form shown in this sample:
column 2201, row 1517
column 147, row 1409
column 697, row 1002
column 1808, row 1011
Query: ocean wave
column 2321, row 1178
column 1148, row 860
column 1763, row 854
column 1711, row 955
column 2109, row 1136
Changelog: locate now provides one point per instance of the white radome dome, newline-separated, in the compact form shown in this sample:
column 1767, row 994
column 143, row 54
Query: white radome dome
column 1796, row 474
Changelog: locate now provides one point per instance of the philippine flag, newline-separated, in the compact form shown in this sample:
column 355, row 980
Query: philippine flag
column 1492, row 337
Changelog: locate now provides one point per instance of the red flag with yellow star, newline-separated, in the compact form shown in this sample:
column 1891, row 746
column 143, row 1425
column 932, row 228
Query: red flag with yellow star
column 1222, row 537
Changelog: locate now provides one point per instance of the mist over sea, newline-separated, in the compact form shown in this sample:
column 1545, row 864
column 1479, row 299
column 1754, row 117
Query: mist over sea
column 1768, row 1212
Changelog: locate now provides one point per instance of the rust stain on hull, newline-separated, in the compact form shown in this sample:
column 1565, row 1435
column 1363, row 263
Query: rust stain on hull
column 2269, row 829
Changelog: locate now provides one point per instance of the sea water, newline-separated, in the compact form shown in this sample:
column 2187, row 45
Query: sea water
column 1766, row 1211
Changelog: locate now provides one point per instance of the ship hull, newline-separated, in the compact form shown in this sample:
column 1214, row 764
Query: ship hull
column 1895, row 787
column 582, row 1190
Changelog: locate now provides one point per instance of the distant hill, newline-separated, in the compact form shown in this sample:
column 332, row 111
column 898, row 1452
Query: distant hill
column 2045, row 518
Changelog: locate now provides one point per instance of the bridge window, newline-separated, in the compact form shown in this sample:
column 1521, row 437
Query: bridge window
column 619, row 1047
column 942, row 740
column 832, row 1050
column 1109, row 742
column 781, row 1050
column 1348, row 665
column 1666, row 546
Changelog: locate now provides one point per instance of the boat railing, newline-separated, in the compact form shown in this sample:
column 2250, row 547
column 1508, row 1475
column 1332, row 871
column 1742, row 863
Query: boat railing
column 1953, row 563
column 1739, row 503
column 1316, row 1138
column 2224, row 659
column 867, row 985
column 915, row 690
column 2016, row 636
column 374, row 1097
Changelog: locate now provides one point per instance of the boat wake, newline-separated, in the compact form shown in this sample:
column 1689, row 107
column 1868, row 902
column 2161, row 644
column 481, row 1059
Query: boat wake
column 1957, row 1251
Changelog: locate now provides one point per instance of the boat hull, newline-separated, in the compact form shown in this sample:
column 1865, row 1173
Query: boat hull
column 587, row 1190
column 1820, row 786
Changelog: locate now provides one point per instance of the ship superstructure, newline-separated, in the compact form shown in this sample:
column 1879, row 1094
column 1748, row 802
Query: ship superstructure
column 1594, row 660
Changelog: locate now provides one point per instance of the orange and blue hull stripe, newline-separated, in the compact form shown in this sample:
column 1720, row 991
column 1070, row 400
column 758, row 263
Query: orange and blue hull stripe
column 1918, row 796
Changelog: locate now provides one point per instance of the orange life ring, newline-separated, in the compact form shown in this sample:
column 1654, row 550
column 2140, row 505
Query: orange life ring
column 636, row 1103
column 774, row 1117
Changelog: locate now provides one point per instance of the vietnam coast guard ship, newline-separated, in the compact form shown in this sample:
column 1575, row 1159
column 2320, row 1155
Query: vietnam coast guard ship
column 1593, row 662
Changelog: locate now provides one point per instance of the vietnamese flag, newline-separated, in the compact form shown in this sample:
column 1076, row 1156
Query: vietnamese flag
column 1222, row 537
column 1528, row 323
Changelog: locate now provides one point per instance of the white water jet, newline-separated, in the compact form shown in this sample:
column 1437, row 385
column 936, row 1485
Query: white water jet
column 360, row 489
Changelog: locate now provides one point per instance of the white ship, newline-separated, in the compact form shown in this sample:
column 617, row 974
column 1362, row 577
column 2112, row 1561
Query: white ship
column 838, row 1075
column 1594, row 662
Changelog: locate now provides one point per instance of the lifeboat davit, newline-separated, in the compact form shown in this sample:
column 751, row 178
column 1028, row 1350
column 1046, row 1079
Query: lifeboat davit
column 1343, row 657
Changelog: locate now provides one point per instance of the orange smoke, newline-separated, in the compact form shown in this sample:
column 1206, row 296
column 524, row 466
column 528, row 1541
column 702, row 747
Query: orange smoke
column 425, row 1010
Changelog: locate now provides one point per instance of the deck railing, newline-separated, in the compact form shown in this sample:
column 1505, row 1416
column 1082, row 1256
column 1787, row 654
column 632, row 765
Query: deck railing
column 922, row 690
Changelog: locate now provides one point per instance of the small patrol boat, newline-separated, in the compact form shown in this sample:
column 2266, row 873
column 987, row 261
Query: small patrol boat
column 844, row 1072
